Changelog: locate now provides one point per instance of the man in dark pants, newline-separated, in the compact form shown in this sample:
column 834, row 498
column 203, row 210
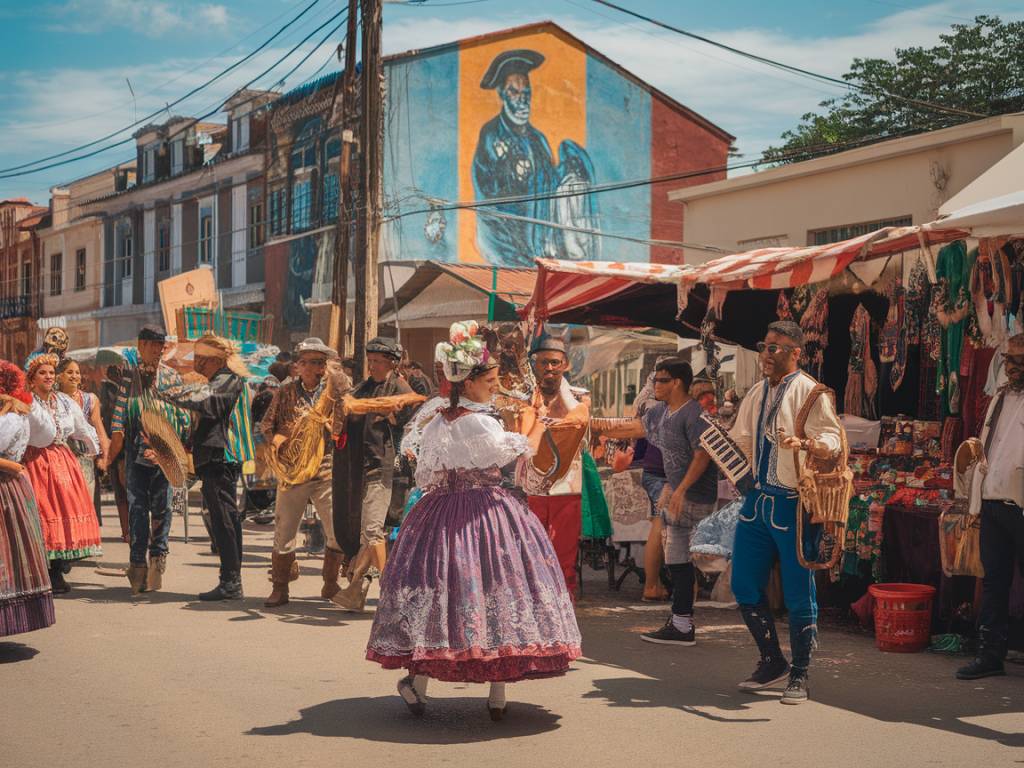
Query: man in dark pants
column 213, row 403
column 147, row 490
column 1002, row 516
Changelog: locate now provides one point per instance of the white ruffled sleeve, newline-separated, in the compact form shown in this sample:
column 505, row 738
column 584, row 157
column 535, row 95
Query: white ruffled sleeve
column 80, row 428
column 42, row 430
column 412, row 441
column 472, row 441
column 13, row 436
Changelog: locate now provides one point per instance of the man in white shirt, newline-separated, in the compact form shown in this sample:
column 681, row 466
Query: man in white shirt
column 766, row 431
column 1002, row 516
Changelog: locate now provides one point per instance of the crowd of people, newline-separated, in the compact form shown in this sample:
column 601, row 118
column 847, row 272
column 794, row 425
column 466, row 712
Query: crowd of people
column 480, row 583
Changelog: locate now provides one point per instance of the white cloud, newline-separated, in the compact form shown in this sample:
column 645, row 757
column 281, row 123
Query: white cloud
column 152, row 18
column 748, row 99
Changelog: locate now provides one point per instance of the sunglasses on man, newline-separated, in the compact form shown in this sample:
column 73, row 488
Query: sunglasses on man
column 774, row 349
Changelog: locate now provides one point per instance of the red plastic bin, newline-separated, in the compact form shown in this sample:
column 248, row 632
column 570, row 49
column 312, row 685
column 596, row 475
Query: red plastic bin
column 903, row 616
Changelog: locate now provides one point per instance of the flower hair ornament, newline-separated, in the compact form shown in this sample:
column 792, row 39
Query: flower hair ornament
column 464, row 351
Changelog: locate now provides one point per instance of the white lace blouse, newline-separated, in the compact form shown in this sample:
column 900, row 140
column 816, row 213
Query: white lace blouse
column 475, row 440
column 13, row 436
column 48, row 428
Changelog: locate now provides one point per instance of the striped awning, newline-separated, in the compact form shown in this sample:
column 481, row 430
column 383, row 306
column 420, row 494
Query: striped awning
column 564, row 285
column 777, row 268
column 579, row 288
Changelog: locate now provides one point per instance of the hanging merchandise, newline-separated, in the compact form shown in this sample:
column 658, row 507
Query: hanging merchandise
column 862, row 378
column 707, row 343
column 782, row 308
column 814, row 323
column 951, row 304
column 893, row 348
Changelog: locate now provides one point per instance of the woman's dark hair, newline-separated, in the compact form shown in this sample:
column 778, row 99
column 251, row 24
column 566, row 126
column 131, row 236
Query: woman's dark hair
column 64, row 364
column 279, row 370
column 677, row 369
column 458, row 386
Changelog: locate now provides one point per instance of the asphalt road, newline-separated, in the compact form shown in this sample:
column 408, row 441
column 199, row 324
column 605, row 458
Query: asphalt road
column 164, row 680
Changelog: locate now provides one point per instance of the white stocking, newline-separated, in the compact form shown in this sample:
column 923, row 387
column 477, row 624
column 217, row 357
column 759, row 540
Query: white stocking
column 496, row 698
column 419, row 684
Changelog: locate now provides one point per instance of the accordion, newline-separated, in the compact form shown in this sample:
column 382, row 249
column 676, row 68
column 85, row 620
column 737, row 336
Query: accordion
column 728, row 456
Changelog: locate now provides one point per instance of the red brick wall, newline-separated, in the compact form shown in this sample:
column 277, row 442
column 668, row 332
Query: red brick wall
column 678, row 145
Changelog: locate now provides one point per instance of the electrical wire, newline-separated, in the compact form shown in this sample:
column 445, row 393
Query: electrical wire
column 6, row 172
column 192, row 121
column 789, row 67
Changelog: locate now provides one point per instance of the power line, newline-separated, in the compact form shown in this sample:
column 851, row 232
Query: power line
column 192, row 121
column 153, row 115
column 789, row 67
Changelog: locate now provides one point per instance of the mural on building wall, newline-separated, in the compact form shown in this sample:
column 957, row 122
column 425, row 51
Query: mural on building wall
column 513, row 160
column 530, row 115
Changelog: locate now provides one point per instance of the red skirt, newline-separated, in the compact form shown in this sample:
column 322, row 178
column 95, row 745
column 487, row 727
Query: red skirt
column 71, row 529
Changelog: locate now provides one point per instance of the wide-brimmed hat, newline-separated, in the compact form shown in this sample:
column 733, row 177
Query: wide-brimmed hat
column 314, row 345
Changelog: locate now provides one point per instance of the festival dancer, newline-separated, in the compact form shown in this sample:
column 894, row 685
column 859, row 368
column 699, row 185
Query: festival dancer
column 149, row 498
column 765, row 431
column 213, row 404
column 474, row 592
column 71, row 530
column 557, row 501
column 300, row 424
column 69, row 379
column 26, row 600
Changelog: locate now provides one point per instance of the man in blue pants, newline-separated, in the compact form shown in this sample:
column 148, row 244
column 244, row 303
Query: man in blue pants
column 765, row 430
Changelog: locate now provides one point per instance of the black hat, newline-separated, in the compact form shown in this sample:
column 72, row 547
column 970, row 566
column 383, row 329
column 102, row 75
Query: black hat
column 382, row 345
column 152, row 333
column 520, row 60
column 548, row 343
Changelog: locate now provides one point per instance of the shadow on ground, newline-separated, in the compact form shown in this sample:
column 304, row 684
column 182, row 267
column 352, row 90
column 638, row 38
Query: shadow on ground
column 11, row 653
column 848, row 673
column 385, row 718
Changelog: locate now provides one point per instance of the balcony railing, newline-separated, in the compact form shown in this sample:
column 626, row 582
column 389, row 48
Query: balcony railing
column 15, row 306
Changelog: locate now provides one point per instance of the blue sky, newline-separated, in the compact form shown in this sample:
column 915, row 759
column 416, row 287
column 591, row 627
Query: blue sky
column 64, row 65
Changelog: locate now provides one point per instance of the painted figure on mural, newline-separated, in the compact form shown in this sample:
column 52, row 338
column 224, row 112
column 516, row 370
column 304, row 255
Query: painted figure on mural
column 513, row 159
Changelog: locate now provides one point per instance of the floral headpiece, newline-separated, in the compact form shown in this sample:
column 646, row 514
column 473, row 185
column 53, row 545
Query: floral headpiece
column 35, row 361
column 12, row 384
column 463, row 351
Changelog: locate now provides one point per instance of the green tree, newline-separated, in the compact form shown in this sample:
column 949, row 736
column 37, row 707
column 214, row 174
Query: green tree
column 976, row 69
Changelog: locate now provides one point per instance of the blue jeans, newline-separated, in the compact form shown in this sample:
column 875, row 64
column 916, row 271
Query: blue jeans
column 149, row 511
column 654, row 485
column 767, row 527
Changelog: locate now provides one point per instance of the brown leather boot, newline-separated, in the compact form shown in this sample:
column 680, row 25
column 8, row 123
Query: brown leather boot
column 280, row 569
column 137, row 578
column 155, row 574
column 353, row 597
column 333, row 560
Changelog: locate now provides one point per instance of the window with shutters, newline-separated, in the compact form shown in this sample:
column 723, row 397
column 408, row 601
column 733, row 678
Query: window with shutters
column 163, row 246
column 206, row 235
column 80, row 269
column 56, row 274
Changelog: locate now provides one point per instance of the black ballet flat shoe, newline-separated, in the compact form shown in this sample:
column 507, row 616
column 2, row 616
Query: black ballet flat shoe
column 497, row 713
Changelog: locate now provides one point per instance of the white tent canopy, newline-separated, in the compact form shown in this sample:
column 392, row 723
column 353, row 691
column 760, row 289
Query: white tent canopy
column 1003, row 178
column 994, row 217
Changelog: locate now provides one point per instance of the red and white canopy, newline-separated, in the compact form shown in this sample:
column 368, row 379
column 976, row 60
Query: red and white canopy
column 565, row 287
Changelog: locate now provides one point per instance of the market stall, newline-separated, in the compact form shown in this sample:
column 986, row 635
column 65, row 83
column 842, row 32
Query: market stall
column 902, row 323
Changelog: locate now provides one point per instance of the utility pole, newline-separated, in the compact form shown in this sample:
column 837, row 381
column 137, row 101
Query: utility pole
column 371, row 139
column 341, row 116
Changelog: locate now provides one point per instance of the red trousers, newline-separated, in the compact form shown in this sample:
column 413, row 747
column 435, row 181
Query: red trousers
column 562, row 515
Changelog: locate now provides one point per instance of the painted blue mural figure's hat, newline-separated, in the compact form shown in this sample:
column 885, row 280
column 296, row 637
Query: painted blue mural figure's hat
column 506, row 63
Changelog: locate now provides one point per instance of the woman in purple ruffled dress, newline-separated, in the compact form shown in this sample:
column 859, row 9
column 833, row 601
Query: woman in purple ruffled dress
column 473, row 591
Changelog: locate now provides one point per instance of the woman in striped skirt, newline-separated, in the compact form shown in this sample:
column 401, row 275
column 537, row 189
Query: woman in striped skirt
column 26, row 601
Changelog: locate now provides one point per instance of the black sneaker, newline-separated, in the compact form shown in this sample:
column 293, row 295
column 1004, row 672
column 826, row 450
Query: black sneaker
column 669, row 635
column 769, row 672
column 797, row 690
column 982, row 666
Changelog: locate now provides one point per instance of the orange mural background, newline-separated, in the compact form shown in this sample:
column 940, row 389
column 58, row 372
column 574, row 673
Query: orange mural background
column 558, row 108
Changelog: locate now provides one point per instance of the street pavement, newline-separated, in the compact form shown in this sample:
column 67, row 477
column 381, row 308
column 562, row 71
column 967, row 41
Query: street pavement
column 166, row 681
